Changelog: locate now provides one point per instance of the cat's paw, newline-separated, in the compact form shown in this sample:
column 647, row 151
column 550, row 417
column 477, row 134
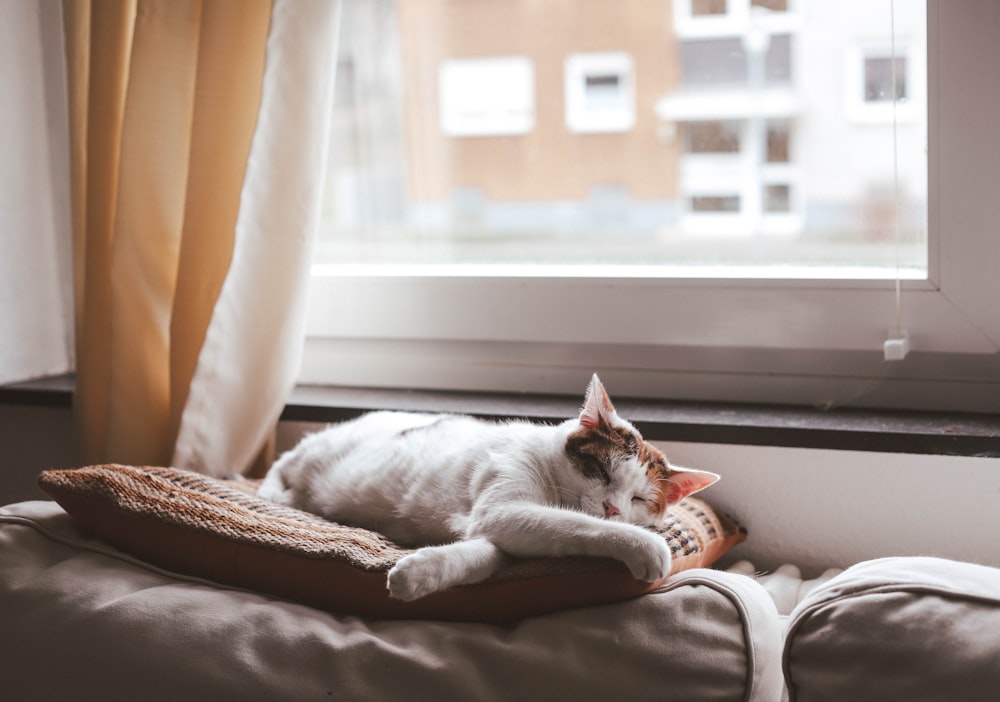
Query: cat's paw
column 416, row 575
column 648, row 558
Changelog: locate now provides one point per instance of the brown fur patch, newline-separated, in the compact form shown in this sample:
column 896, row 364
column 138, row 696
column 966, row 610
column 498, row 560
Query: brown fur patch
column 658, row 471
column 592, row 450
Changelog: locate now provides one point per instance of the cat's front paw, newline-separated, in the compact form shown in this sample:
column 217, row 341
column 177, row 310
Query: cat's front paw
column 648, row 558
column 415, row 576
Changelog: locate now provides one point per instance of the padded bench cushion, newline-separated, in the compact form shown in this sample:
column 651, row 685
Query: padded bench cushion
column 898, row 629
column 85, row 621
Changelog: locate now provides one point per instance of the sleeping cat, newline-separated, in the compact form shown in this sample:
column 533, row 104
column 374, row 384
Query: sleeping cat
column 471, row 493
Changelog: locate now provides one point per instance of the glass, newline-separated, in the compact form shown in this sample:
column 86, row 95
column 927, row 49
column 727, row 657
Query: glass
column 739, row 138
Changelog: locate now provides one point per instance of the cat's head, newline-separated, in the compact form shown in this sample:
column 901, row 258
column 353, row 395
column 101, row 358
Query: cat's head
column 617, row 474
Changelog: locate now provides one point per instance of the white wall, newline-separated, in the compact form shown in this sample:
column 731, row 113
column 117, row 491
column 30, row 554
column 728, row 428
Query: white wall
column 819, row 508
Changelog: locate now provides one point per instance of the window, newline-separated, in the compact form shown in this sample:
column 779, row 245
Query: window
column 707, row 8
column 575, row 255
column 884, row 79
column 872, row 72
column 599, row 93
column 487, row 96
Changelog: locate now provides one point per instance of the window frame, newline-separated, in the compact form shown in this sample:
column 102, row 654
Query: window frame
column 454, row 77
column 809, row 339
column 580, row 117
column 862, row 111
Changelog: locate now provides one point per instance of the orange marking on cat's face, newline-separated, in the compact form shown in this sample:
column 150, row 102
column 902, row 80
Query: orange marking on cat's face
column 598, row 452
column 658, row 471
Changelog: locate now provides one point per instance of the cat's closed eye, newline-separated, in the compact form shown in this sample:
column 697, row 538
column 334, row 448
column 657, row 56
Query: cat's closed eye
column 639, row 498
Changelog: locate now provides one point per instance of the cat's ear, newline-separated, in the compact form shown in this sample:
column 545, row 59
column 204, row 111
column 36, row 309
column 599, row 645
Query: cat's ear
column 686, row 481
column 597, row 409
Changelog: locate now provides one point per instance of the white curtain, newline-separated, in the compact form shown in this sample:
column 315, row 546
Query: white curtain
column 254, row 340
column 36, row 336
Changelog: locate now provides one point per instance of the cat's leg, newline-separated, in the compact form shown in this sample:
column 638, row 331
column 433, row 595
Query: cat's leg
column 527, row 529
column 434, row 568
column 273, row 486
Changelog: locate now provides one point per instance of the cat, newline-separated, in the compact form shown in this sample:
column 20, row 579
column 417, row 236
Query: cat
column 469, row 494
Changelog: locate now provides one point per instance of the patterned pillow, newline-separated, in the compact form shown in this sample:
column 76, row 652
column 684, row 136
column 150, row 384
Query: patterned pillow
column 218, row 529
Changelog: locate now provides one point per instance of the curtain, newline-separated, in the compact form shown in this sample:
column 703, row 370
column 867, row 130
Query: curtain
column 198, row 135
column 35, row 287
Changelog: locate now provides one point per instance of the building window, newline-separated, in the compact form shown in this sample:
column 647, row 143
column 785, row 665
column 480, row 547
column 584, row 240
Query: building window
column 708, row 18
column 772, row 5
column 871, row 75
column 704, row 8
column 778, row 199
column 778, row 142
column 487, row 96
column 714, row 204
column 712, row 137
column 725, row 61
column 878, row 78
column 600, row 92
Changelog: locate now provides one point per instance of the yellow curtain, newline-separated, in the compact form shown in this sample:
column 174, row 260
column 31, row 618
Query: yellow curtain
column 165, row 100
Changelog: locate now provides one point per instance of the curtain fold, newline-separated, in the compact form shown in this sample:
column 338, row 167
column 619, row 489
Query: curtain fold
column 175, row 240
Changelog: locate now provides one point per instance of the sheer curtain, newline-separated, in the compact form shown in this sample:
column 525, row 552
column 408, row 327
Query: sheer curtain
column 198, row 136
column 35, row 290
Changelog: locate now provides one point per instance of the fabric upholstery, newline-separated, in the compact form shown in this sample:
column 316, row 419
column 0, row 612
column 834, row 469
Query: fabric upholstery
column 85, row 621
column 910, row 629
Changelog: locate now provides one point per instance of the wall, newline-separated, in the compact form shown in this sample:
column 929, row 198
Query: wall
column 549, row 163
column 32, row 440
column 819, row 508
column 810, row 507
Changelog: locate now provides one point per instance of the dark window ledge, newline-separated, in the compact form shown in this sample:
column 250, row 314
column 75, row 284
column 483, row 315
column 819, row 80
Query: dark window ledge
column 699, row 422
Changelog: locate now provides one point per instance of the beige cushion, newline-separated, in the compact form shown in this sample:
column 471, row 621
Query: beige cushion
column 81, row 620
column 909, row 629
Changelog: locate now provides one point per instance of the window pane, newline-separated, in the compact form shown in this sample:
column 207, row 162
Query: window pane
column 701, row 8
column 714, row 137
column 747, row 132
column 773, row 5
column 715, row 203
column 778, row 198
column 879, row 74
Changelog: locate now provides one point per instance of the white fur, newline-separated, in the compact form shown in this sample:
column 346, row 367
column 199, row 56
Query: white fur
column 469, row 492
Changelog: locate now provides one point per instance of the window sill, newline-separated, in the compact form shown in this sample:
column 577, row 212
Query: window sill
column 960, row 434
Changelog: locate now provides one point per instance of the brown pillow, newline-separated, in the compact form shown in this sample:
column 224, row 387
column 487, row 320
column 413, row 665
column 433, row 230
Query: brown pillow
column 218, row 529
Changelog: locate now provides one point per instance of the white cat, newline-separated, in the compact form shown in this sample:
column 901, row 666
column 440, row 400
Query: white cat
column 472, row 492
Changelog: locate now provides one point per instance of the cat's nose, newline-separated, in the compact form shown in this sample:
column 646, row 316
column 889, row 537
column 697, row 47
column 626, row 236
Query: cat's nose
column 610, row 509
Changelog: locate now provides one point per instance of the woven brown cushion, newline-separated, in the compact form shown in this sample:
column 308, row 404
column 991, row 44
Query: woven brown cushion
column 218, row 529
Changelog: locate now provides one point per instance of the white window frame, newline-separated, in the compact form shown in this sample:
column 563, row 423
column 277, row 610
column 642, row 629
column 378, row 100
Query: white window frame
column 725, row 174
column 470, row 103
column 860, row 111
column 734, row 21
column 580, row 118
column 743, row 335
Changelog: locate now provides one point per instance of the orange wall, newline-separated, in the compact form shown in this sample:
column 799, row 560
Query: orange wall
column 550, row 162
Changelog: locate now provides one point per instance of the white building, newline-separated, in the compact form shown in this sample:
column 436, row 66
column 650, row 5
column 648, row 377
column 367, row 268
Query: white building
column 787, row 120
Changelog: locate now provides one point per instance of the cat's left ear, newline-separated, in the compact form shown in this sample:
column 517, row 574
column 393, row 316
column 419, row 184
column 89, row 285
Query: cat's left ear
column 597, row 409
column 686, row 481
